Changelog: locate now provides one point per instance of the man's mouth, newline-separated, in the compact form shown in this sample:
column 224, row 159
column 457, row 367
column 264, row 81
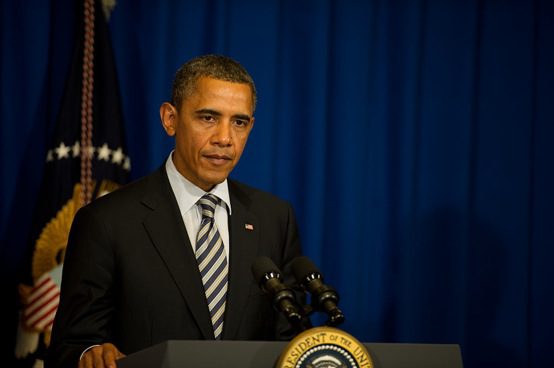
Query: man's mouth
column 218, row 160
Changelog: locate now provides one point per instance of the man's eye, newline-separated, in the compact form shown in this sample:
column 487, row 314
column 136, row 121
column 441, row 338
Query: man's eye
column 207, row 117
column 241, row 123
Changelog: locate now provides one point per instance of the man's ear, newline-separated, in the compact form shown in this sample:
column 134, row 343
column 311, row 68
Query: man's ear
column 168, row 116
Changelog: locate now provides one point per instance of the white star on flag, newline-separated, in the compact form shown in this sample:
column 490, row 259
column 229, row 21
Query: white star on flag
column 49, row 156
column 104, row 152
column 127, row 164
column 117, row 156
column 76, row 149
column 62, row 151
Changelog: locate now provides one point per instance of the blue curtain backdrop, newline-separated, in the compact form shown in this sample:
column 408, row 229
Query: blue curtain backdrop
column 415, row 140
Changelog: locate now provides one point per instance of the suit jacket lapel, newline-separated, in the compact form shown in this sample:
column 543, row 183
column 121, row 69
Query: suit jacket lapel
column 243, row 235
column 168, row 234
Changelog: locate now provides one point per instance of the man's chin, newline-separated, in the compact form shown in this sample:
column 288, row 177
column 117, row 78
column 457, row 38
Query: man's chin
column 212, row 181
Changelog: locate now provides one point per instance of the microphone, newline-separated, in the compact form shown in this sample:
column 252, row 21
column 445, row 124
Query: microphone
column 324, row 297
column 268, row 277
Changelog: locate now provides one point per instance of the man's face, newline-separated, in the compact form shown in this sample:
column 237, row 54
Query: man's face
column 211, row 129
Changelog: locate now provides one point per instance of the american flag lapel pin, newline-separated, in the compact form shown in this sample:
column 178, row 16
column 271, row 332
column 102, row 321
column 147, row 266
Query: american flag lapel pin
column 249, row 227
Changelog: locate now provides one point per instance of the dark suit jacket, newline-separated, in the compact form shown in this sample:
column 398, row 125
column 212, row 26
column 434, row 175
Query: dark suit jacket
column 130, row 276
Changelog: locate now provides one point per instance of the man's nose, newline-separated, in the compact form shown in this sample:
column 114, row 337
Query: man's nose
column 223, row 134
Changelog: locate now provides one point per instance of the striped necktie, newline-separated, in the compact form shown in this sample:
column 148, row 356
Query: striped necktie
column 212, row 262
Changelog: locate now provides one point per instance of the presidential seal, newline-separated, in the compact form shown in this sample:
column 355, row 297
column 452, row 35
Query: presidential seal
column 325, row 347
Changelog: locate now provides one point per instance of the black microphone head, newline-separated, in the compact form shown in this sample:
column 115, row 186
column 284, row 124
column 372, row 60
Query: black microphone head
column 303, row 268
column 263, row 266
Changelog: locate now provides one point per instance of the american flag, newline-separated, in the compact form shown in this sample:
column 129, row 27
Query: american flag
column 42, row 304
column 87, row 147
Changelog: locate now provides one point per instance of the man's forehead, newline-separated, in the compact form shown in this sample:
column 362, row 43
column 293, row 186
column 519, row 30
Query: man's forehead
column 216, row 92
column 204, row 81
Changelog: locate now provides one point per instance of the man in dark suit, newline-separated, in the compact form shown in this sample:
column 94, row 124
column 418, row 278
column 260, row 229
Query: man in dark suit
column 169, row 256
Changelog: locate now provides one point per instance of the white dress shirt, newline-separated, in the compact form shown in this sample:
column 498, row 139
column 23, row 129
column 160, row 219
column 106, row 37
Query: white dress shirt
column 187, row 194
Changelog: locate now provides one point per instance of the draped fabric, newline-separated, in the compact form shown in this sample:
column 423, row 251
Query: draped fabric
column 413, row 138
column 68, row 180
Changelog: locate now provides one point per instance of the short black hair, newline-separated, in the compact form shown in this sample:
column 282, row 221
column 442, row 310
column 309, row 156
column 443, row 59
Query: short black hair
column 213, row 66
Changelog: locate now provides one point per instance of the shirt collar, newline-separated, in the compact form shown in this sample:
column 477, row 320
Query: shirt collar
column 187, row 193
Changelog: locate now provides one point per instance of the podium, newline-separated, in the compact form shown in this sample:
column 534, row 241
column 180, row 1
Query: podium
column 264, row 354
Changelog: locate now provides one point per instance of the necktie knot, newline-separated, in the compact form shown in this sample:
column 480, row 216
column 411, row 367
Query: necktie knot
column 207, row 205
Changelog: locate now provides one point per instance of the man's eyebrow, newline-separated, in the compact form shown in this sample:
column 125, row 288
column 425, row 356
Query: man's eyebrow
column 217, row 113
column 208, row 111
column 242, row 117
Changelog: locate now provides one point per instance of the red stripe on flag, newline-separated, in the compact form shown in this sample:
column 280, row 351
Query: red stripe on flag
column 35, row 292
column 48, row 327
column 42, row 313
column 32, row 307
column 51, row 311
